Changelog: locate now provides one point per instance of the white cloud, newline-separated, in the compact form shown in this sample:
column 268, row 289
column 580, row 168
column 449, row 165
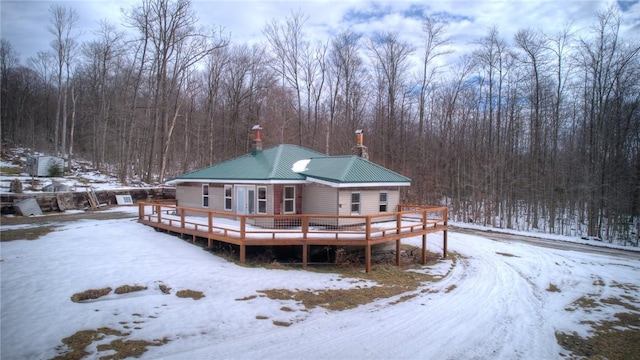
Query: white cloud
column 24, row 22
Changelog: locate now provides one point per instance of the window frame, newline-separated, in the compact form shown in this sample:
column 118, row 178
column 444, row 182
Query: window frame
column 205, row 196
column 384, row 202
column 291, row 200
column 357, row 203
column 261, row 201
column 228, row 197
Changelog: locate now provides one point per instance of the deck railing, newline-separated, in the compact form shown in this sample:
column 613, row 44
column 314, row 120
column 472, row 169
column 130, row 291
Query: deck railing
column 299, row 229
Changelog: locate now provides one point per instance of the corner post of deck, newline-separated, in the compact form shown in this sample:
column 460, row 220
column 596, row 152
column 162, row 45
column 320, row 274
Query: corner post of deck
column 140, row 211
column 243, row 227
column 159, row 211
column 398, row 223
column 181, row 209
column 425, row 216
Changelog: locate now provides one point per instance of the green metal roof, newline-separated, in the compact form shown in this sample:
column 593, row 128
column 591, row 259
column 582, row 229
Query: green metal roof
column 273, row 163
column 351, row 169
column 276, row 164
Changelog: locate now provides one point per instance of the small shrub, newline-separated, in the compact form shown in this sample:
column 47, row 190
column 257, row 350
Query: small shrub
column 15, row 186
column 553, row 288
column 55, row 169
column 90, row 294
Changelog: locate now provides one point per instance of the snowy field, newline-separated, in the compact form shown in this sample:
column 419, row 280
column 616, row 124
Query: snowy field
column 499, row 300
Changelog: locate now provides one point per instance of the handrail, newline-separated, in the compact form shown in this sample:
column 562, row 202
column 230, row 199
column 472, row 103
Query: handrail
column 409, row 219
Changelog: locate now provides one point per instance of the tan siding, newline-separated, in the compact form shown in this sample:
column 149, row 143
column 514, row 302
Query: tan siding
column 190, row 195
column 369, row 202
column 216, row 197
column 319, row 200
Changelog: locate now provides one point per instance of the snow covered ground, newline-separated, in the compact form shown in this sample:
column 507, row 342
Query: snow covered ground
column 78, row 178
column 499, row 300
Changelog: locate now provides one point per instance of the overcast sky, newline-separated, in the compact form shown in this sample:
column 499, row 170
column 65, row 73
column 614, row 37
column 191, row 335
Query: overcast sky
column 24, row 23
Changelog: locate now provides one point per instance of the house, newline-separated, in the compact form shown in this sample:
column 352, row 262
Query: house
column 290, row 179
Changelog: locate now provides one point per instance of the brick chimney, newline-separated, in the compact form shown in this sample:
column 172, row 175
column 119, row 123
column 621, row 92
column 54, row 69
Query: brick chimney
column 360, row 150
column 257, row 142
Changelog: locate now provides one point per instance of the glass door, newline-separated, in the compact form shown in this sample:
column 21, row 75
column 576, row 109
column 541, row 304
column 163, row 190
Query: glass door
column 245, row 199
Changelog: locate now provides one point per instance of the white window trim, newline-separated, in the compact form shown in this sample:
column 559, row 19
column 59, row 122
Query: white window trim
column 385, row 203
column 225, row 197
column 261, row 200
column 284, row 200
column 205, row 186
column 359, row 203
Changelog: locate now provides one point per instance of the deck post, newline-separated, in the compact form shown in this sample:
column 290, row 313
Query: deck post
column 305, row 226
column 210, row 224
column 243, row 254
column 367, row 257
column 424, row 249
column 444, row 245
column 305, row 255
column 140, row 211
column 159, row 211
column 398, row 245
column 182, row 225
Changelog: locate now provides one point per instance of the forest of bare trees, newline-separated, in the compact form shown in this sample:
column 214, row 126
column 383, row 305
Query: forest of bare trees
column 538, row 131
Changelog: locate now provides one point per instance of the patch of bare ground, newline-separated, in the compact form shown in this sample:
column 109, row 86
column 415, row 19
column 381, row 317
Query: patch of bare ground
column 614, row 338
column 124, row 289
column 42, row 225
column 390, row 281
column 195, row 295
column 91, row 294
column 76, row 345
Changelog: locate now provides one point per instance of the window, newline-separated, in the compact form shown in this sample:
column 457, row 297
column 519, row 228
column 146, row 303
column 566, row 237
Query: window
column 289, row 198
column 383, row 201
column 205, row 195
column 228, row 197
column 262, row 200
column 355, row 203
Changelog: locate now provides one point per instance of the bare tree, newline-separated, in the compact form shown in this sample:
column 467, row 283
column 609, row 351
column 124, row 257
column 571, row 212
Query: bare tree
column 177, row 45
column 347, row 76
column 390, row 58
column 62, row 23
column 287, row 45
column 533, row 44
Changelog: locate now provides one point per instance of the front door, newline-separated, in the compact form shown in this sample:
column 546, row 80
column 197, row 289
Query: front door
column 245, row 199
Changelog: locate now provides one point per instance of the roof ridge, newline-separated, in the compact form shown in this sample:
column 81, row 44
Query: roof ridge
column 277, row 158
column 348, row 168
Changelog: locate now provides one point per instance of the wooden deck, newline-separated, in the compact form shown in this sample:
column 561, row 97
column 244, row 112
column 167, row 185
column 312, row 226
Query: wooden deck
column 300, row 230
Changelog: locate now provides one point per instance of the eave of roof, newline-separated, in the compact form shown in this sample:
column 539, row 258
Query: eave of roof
column 281, row 165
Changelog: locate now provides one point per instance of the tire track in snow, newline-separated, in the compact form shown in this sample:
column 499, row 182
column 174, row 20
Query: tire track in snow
column 502, row 298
